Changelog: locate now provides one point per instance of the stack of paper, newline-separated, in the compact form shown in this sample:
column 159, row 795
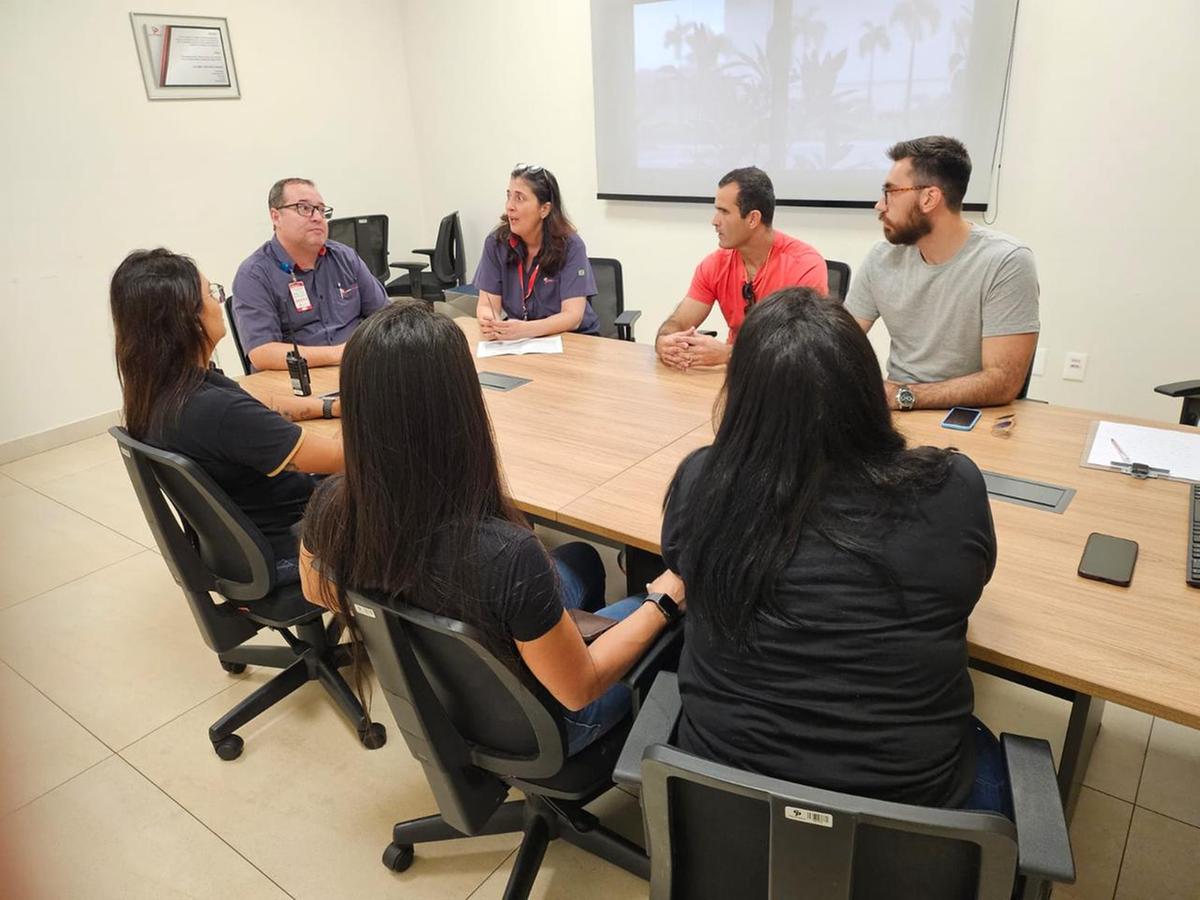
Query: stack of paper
column 520, row 348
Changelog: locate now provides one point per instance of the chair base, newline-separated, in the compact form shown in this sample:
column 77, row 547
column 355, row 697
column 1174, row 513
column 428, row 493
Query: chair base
column 540, row 821
column 312, row 654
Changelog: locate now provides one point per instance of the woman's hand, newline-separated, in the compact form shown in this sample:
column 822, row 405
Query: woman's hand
column 672, row 585
column 508, row 330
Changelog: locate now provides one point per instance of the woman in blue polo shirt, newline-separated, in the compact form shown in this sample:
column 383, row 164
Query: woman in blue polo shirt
column 534, row 266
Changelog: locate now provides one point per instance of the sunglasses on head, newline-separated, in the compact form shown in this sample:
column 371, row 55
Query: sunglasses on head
column 527, row 169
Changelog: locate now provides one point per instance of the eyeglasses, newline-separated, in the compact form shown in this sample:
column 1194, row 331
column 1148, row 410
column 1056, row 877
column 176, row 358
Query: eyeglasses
column 307, row 209
column 1003, row 426
column 216, row 291
column 895, row 190
column 748, row 294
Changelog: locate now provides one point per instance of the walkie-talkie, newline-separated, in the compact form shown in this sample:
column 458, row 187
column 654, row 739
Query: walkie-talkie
column 297, row 364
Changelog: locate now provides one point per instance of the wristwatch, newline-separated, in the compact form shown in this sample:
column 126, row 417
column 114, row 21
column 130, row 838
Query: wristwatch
column 666, row 605
column 905, row 398
column 327, row 408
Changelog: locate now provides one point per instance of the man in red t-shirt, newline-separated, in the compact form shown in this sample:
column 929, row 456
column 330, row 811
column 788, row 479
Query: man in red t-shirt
column 752, row 263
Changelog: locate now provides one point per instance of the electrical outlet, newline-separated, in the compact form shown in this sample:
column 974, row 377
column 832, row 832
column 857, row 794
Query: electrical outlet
column 1075, row 366
column 1039, row 361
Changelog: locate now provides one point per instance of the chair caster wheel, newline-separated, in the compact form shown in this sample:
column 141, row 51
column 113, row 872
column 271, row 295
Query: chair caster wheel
column 233, row 668
column 398, row 857
column 230, row 748
column 373, row 737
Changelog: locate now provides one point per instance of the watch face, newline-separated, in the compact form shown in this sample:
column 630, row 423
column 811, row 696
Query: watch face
column 905, row 398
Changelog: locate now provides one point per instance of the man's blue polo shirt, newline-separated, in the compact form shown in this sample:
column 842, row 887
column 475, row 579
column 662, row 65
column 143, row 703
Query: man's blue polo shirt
column 340, row 288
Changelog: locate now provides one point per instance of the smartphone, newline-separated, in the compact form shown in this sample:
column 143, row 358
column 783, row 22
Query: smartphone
column 1108, row 558
column 961, row 418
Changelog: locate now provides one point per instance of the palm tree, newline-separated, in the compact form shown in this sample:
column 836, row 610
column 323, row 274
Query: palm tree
column 913, row 14
column 874, row 37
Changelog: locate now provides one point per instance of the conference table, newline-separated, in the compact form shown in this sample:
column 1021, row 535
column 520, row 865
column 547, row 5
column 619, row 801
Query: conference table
column 590, row 443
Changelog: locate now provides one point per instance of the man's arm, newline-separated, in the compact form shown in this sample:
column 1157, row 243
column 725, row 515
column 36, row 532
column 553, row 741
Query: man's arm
column 670, row 343
column 273, row 355
column 1006, row 361
column 864, row 324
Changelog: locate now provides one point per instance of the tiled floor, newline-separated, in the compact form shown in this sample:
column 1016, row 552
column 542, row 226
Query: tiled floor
column 109, row 787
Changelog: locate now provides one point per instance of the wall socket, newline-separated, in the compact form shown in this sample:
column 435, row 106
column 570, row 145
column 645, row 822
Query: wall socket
column 1039, row 361
column 1075, row 366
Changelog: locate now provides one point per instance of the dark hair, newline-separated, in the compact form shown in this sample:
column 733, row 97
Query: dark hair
column 155, row 301
column 275, row 195
column 938, row 160
column 421, row 467
column 556, row 227
column 755, row 191
column 802, row 409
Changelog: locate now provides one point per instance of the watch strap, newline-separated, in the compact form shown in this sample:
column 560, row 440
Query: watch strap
column 327, row 408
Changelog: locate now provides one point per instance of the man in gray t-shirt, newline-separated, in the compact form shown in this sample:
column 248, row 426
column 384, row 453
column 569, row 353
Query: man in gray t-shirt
column 960, row 301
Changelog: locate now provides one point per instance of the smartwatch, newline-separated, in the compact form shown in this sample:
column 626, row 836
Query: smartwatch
column 666, row 605
column 327, row 407
column 905, row 398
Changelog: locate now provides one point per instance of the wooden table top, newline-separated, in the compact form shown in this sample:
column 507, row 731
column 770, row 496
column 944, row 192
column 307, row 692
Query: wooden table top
column 593, row 440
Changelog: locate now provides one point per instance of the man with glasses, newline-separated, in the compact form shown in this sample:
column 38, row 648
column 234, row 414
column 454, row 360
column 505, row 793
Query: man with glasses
column 752, row 262
column 301, row 284
column 960, row 301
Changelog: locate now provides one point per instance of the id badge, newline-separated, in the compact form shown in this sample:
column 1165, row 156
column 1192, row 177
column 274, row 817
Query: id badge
column 299, row 296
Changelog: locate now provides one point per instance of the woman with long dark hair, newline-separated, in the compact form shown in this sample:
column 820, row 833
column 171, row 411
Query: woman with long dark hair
column 534, row 267
column 421, row 516
column 830, row 572
column 167, row 320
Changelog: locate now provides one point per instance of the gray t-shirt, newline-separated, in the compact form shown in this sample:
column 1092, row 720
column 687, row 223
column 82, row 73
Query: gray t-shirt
column 937, row 316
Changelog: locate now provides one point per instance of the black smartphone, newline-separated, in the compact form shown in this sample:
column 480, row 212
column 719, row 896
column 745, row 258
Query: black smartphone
column 1108, row 558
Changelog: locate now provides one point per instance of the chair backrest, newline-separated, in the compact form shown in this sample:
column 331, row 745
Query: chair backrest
column 237, row 339
column 449, row 262
column 465, row 714
column 368, row 235
column 609, row 299
column 839, row 279
column 1028, row 375
column 216, row 549
column 789, row 840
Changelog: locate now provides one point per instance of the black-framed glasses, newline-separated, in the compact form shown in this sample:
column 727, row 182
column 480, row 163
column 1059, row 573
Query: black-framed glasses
column 901, row 190
column 748, row 294
column 305, row 210
column 217, row 292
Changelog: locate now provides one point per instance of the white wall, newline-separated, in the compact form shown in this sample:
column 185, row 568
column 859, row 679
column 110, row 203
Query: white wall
column 91, row 169
column 1099, row 174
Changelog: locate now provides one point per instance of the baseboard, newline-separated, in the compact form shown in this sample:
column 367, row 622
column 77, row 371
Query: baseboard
column 21, row 447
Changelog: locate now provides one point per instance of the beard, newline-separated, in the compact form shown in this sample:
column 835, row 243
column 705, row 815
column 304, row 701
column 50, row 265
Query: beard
column 912, row 230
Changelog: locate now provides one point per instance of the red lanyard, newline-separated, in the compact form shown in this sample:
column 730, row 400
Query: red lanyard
column 526, row 290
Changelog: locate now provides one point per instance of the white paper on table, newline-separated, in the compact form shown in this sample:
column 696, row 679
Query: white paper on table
column 195, row 57
column 520, row 348
column 1176, row 451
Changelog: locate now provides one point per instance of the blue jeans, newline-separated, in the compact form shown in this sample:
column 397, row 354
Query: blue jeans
column 582, row 575
column 991, row 791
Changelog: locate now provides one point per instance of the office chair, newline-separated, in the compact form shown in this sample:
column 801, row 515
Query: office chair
column 368, row 235
column 219, row 549
column 237, row 340
column 447, row 262
column 480, row 729
column 609, row 300
column 1189, row 413
column 716, row 832
column 839, row 280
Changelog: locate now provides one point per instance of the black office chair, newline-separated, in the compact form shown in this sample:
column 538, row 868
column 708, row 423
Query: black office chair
column 237, row 340
column 219, row 549
column 447, row 262
column 1189, row 413
column 480, row 730
column 716, row 832
column 839, row 280
column 368, row 235
column 609, row 300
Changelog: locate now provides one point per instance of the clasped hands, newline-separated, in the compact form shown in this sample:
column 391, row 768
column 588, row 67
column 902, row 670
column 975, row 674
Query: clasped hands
column 507, row 330
column 685, row 349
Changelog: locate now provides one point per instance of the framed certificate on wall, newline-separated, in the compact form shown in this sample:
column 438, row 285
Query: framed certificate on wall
column 185, row 57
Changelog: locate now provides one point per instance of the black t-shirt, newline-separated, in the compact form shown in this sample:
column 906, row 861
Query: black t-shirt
column 854, row 685
column 243, row 446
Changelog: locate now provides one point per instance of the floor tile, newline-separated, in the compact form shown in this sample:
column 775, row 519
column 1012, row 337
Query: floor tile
column 304, row 775
column 568, row 872
column 46, row 545
column 1116, row 765
column 1098, row 834
column 1162, row 859
column 68, row 460
column 103, row 493
column 42, row 746
column 110, row 833
column 1006, row 706
column 1171, row 779
column 118, row 650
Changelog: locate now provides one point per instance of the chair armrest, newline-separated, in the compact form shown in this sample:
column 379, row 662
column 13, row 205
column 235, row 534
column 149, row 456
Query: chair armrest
column 1180, row 389
column 707, row 333
column 663, row 655
column 423, row 252
column 655, row 724
column 1043, row 842
column 624, row 323
column 410, row 266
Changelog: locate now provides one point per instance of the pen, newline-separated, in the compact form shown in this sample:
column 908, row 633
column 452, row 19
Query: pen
column 1124, row 456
